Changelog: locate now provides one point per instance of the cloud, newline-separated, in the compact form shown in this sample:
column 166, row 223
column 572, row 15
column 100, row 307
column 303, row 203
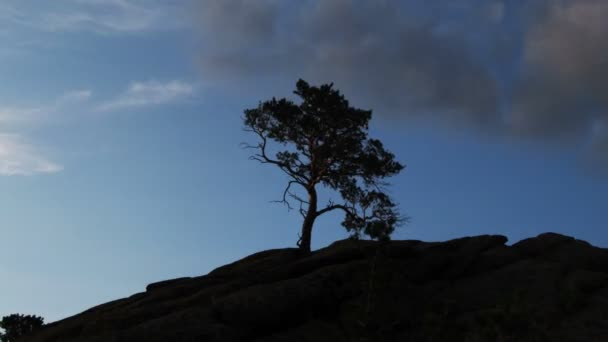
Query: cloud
column 137, row 94
column 16, row 115
column 75, row 96
column 142, row 94
column 597, row 153
column 100, row 16
column 376, row 50
column 18, row 157
column 562, row 92
column 535, row 71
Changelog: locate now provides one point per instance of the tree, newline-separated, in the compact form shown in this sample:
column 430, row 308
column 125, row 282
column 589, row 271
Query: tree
column 324, row 141
column 17, row 325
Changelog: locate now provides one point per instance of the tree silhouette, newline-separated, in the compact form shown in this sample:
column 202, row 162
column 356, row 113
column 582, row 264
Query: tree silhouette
column 17, row 325
column 324, row 141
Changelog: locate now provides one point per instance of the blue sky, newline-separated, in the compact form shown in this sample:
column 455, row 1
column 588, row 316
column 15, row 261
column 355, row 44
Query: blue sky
column 120, row 125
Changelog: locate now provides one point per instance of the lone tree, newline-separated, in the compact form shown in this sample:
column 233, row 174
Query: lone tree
column 16, row 326
column 323, row 141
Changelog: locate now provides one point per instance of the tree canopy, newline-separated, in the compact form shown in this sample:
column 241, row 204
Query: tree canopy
column 323, row 141
column 17, row 325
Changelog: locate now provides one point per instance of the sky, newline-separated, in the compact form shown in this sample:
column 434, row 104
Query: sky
column 121, row 125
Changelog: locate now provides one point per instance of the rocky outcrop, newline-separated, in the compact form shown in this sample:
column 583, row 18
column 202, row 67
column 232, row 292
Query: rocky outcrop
column 547, row 288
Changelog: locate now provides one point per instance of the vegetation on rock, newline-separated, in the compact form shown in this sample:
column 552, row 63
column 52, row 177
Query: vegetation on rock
column 17, row 325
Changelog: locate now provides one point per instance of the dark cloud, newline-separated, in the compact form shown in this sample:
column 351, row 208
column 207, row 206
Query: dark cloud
column 372, row 47
column 536, row 70
column 597, row 155
column 561, row 93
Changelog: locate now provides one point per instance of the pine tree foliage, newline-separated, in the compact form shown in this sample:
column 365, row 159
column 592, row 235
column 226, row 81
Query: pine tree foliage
column 323, row 141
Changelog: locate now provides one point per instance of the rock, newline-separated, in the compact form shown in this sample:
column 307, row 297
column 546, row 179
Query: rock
column 167, row 283
column 548, row 288
column 541, row 244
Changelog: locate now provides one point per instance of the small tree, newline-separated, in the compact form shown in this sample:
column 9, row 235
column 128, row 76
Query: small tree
column 17, row 325
column 323, row 141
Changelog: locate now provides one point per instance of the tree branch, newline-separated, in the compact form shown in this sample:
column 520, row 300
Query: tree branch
column 334, row 207
column 264, row 159
column 292, row 195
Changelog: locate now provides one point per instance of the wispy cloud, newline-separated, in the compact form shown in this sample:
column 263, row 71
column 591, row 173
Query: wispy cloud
column 18, row 157
column 137, row 94
column 11, row 115
column 100, row 16
column 119, row 19
column 16, row 115
column 75, row 96
column 141, row 94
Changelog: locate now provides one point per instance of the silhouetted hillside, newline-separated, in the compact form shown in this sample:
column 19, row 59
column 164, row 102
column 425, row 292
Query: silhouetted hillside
column 548, row 288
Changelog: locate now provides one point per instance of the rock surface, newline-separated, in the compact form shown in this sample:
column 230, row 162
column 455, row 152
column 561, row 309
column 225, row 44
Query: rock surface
column 547, row 288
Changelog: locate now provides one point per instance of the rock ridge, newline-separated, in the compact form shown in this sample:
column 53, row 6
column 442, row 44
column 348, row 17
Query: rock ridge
column 546, row 288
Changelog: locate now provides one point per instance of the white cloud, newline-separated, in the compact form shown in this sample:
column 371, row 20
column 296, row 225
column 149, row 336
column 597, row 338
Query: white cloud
column 18, row 157
column 140, row 94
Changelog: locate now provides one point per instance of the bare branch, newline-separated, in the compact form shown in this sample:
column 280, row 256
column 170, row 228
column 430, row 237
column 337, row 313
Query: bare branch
column 287, row 192
column 303, row 211
column 245, row 145
column 297, row 198
column 329, row 208
column 263, row 158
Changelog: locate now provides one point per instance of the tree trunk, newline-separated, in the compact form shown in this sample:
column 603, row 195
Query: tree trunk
column 309, row 221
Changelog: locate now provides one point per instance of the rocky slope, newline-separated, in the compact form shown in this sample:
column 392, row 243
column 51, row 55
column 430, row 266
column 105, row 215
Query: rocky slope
column 547, row 288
